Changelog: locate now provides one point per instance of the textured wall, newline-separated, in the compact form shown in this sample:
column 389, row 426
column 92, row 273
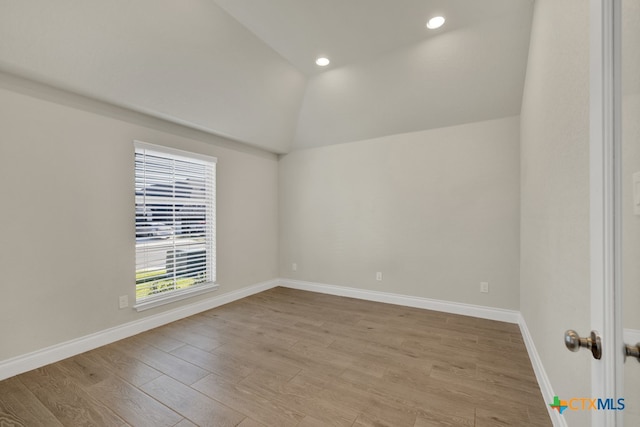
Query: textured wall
column 554, row 273
column 68, row 235
column 436, row 212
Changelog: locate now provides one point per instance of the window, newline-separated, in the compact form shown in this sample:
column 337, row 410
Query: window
column 175, row 195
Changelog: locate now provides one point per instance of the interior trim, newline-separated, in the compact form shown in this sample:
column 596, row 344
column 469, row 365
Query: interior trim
column 541, row 375
column 52, row 354
column 491, row 313
column 55, row 353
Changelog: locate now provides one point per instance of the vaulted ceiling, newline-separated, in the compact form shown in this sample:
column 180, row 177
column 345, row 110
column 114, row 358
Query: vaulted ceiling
column 245, row 69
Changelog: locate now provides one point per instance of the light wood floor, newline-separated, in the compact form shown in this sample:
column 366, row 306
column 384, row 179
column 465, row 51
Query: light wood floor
column 291, row 358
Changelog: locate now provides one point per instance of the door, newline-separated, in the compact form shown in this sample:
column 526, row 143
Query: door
column 630, row 202
column 615, row 205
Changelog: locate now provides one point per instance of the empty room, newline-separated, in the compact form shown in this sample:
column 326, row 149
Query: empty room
column 319, row 213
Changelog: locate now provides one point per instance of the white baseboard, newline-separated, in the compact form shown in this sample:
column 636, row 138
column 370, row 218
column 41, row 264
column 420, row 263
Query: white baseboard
column 500, row 314
column 45, row 356
column 36, row 359
column 541, row 375
column 510, row 316
column 52, row 354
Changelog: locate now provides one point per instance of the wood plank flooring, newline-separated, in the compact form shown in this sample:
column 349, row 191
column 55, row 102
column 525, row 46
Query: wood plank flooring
column 291, row 358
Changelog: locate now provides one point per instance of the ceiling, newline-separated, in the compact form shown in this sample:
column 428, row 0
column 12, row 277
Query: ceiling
column 245, row 69
column 354, row 31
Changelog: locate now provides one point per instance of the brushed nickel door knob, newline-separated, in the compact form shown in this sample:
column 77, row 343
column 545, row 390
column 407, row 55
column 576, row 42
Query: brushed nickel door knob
column 633, row 351
column 574, row 343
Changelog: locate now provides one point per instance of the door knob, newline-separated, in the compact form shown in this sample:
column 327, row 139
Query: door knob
column 633, row 351
column 573, row 342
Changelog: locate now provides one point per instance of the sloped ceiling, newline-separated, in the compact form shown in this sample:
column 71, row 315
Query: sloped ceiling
column 245, row 68
column 184, row 60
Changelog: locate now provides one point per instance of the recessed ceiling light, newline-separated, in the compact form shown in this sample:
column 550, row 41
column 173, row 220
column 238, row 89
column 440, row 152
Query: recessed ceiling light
column 322, row 61
column 435, row 22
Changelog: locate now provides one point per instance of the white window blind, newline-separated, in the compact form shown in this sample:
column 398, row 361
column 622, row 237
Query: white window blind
column 175, row 194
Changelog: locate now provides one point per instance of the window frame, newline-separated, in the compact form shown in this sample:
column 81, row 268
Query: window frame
column 162, row 298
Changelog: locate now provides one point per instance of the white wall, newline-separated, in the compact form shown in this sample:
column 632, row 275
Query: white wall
column 437, row 212
column 554, row 272
column 68, row 239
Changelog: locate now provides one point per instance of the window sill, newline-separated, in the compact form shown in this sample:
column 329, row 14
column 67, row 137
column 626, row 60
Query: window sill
column 153, row 302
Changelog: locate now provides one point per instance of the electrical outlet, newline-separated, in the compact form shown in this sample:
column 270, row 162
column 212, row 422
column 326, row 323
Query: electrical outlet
column 379, row 276
column 294, row 267
column 484, row 287
column 124, row 301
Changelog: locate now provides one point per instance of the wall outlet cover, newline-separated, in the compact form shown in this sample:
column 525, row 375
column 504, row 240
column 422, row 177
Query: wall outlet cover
column 124, row 301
